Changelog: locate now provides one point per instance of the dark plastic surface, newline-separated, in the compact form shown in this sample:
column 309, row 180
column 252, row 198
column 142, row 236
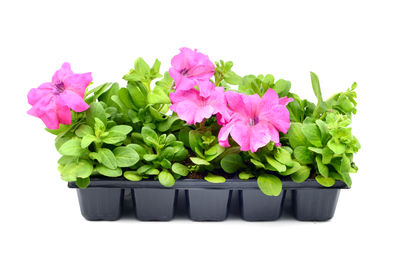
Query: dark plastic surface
column 206, row 201
column 315, row 204
column 155, row 204
column 256, row 206
column 101, row 203
column 208, row 204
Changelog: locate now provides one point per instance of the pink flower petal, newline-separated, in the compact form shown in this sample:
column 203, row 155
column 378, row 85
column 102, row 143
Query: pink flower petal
column 35, row 94
column 240, row 133
column 223, row 134
column 78, row 83
column 60, row 75
column 63, row 112
column 73, row 100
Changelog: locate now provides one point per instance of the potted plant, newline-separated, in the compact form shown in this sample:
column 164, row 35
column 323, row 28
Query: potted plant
column 203, row 129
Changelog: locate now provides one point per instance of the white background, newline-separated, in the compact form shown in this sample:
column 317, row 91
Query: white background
column 342, row 41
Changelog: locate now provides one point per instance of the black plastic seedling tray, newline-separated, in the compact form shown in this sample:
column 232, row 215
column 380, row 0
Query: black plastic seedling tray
column 103, row 199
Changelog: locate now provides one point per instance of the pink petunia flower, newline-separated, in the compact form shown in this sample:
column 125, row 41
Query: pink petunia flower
column 255, row 121
column 193, row 108
column 52, row 101
column 191, row 68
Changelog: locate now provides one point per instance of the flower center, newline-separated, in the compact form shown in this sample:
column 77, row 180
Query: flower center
column 59, row 87
column 184, row 72
column 253, row 121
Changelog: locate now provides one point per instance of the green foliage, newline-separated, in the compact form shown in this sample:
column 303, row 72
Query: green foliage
column 127, row 131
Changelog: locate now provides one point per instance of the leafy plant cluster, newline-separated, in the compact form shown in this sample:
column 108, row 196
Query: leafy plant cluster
column 129, row 132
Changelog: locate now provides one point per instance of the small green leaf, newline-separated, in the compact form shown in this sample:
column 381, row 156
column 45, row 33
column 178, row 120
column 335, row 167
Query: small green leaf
column 152, row 171
column 245, row 175
column 270, row 184
column 139, row 149
column 132, row 176
column 316, row 150
column 180, row 169
column 114, row 138
column 77, row 169
column 345, row 164
column 215, row 179
column 166, row 178
column 125, row 156
column 199, row 161
column 96, row 110
column 336, row 146
column 316, row 87
column 82, row 182
column 283, row 156
column 282, row 87
column 87, row 140
column 150, row 137
column 322, row 168
column 275, row 164
column 71, row 148
column 138, row 98
column 143, row 169
column 327, row 155
column 99, row 127
column 303, row 155
column 84, row 130
column 312, row 133
column 150, row 157
column 296, row 136
column 109, row 172
column 257, row 163
column 122, row 129
column 296, row 166
column 231, row 163
column 107, row 158
column 301, row 175
column 325, row 181
column 165, row 163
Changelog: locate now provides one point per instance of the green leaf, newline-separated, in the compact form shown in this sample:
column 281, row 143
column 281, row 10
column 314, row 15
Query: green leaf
column 139, row 149
column 87, row 140
column 159, row 95
column 82, row 182
column 109, row 172
column 336, row 146
column 270, row 184
column 166, row 178
column 276, row 164
column 282, row 87
column 283, row 156
column 315, row 150
column 96, row 110
column 296, row 166
column 143, row 169
column 257, row 163
column 323, row 128
column 99, row 127
column 152, row 171
column 325, row 181
column 132, row 176
column 327, row 155
column 295, row 135
column 312, row 133
column 84, row 130
column 114, row 138
column 165, row 163
column 139, row 99
column 345, row 164
column 316, row 87
column 180, row 169
column 199, row 161
column 245, row 175
column 126, row 156
column 150, row 137
column 122, row 129
column 301, row 175
column 77, row 169
column 322, row 168
column 150, row 157
column 71, row 148
column 215, row 179
column 107, row 158
column 303, row 155
column 231, row 163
